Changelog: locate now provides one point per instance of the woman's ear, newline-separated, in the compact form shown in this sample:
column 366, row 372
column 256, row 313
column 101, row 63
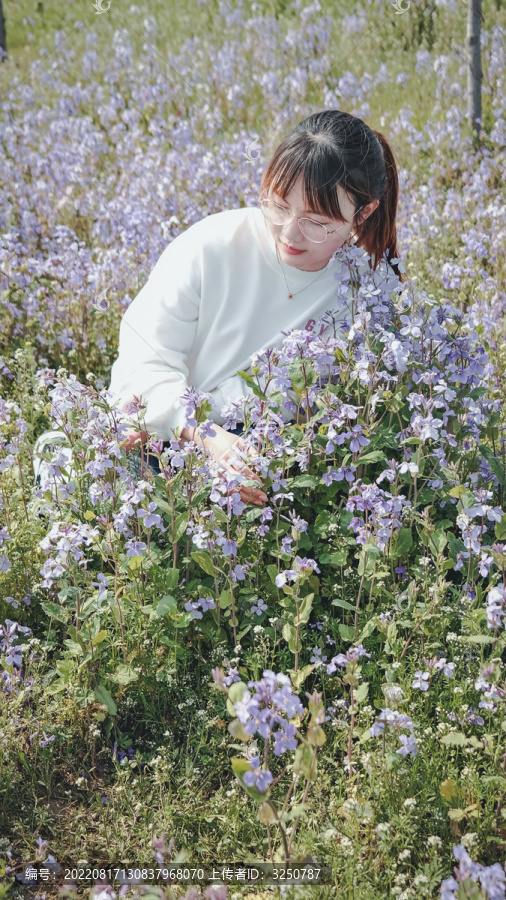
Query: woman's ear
column 367, row 211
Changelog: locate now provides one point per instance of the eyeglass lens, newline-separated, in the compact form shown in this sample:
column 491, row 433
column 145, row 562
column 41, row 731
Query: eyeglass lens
column 279, row 216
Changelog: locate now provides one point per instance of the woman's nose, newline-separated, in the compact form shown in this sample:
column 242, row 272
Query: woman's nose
column 292, row 232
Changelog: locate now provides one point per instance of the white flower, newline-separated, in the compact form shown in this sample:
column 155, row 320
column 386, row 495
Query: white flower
column 405, row 854
column 410, row 803
column 463, row 520
column 347, row 846
column 383, row 828
column 393, row 692
column 434, row 841
column 469, row 839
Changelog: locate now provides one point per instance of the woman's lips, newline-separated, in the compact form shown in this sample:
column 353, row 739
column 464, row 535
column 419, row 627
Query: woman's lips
column 291, row 249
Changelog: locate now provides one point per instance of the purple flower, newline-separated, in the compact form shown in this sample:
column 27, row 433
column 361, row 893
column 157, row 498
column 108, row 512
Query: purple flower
column 150, row 518
column 409, row 747
column 259, row 607
column 284, row 739
column 421, row 680
column 135, row 548
column 200, row 606
column 257, row 777
column 353, row 654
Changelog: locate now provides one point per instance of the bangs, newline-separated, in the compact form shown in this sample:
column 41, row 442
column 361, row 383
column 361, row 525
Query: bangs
column 320, row 178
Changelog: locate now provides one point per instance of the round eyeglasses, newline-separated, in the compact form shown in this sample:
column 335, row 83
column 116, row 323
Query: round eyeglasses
column 278, row 215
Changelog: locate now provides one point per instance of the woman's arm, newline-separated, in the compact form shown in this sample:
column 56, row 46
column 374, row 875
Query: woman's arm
column 156, row 337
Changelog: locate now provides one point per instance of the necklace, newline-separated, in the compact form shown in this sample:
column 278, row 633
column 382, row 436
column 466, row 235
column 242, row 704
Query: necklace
column 292, row 293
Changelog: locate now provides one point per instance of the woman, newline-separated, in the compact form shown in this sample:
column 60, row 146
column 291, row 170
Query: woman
column 232, row 283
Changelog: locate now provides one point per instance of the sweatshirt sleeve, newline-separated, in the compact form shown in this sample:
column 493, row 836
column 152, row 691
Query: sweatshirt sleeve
column 155, row 338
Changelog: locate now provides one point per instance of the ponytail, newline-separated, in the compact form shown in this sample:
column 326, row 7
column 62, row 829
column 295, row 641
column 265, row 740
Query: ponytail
column 378, row 233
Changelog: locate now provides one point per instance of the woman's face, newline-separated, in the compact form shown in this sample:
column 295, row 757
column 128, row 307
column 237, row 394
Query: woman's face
column 311, row 256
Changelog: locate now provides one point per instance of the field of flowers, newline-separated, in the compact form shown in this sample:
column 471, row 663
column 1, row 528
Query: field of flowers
column 187, row 680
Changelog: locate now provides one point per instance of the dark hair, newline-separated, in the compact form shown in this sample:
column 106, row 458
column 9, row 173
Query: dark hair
column 333, row 148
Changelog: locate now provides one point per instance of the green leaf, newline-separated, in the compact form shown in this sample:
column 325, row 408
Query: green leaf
column 338, row 601
column 272, row 572
column 68, row 593
column 368, row 629
column 252, row 383
column 316, row 736
column 498, row 469
column 455, row 544
column 298, row 678
column 361, row 692
column 303, row 761
column 124, row 674
column 164, row 506
column 101, row 636
column 225, row 599
column 367, row 559
column 347, row 633
column 171, row 578
column 290, row 635
column 477, row 639
column 167, row 605
column 448, row 789
column 339, row 557
column 454, row 739
column 180, row 526
column 323, row 520
column 103, row 696
column 494, row 779
column 373, row 456
column 439, row 540
column 298, row 810
column 201, row 495
column 402, row 542
column 55, row 611
column 304, row 611
column 303, row 481
column 236, row 691
column 204, row 561
column 344, row 521
column 456, row 814
column 500, row 529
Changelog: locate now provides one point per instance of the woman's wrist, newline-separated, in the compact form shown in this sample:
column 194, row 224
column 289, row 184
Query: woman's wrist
column 187, row 434
column 192, row 433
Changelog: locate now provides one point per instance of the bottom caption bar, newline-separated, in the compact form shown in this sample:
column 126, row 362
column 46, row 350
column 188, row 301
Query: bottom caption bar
column 259, row 873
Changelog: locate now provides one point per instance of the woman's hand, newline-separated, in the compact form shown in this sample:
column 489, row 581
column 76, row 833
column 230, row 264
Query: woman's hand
column 223, row 448
column 133, row 437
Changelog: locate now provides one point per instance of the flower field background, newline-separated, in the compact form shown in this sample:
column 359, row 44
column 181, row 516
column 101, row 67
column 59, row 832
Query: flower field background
column 185, row 678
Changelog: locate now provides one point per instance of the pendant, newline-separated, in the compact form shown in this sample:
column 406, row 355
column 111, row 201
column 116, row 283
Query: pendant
column 290, row 296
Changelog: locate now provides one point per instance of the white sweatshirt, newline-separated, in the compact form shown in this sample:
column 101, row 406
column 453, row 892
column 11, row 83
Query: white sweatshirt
column 215, row 297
